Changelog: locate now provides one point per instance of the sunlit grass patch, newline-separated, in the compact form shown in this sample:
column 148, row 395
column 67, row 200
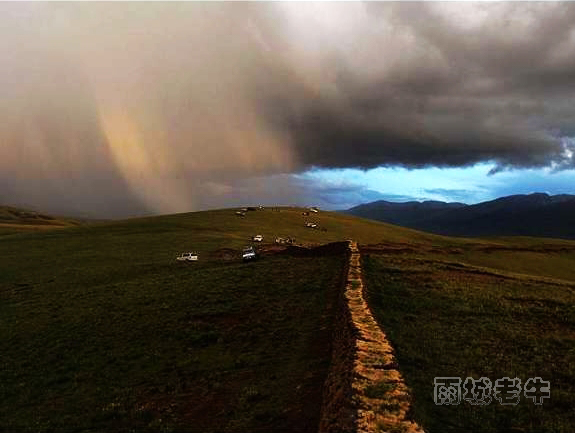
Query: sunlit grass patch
column 451, row 321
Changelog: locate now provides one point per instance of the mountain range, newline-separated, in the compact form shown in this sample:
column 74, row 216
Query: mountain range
column 537, row 214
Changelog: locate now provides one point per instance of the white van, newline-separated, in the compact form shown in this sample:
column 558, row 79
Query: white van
column 188, row 257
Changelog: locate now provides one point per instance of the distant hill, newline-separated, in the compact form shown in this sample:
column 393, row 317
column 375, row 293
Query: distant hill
column 537, row 214
column 13, row 219
column 408, row 214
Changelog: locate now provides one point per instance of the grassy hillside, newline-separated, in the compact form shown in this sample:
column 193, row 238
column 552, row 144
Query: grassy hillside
column 274, row 222
column 15, row 220
column 481, row 310
column 101, row 328
column 238, row 346
column 541, row 258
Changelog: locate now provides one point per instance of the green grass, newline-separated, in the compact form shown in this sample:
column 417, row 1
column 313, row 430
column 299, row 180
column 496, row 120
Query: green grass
column 8, row 231
column 551, row 260
column 283, row 222
column 101, row 329
column 152, row 347
column 538, row 257
column 447, row 319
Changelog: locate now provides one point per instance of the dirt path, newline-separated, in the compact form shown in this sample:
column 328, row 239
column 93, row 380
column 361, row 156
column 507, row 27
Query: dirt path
column 365, row 391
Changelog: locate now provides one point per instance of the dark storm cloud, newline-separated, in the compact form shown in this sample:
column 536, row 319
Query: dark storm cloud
column 457, row 95
column 326, row 137
column 120, row 108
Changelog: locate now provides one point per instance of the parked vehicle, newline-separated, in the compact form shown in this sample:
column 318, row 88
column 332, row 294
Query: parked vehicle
column 311, row 225
column 283, row 241
column 258, row 238
column 249, row 253
column 188, row 257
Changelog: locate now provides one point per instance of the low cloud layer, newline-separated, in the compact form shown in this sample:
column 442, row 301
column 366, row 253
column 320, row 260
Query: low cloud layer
column 122, row 108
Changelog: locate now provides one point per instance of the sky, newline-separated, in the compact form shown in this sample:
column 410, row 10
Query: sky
column 122, row 109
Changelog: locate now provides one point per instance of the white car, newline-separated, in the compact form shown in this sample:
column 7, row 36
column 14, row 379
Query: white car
column 258, row 238
column 283, row 241
column 311, row 225
column 188, row 257
column 249, row 253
